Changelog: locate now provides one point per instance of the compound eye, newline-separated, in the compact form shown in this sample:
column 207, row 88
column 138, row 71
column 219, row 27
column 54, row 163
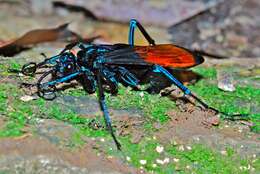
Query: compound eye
column 70, row 66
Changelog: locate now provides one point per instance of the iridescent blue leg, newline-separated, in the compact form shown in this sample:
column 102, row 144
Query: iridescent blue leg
column 64, row 79
column 133, row 24
column 127, row 77
column 110, row 80
column 160, row 69
column 44, row 87
column 105, row 110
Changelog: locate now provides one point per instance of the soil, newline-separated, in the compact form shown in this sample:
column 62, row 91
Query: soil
column 188, row 128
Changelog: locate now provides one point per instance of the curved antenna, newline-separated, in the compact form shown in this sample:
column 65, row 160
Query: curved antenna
column 133, row 24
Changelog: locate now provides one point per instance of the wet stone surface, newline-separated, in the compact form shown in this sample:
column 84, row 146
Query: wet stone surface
column 38, row 165
column 36, row 155
column 56, row 132
column 88, row 106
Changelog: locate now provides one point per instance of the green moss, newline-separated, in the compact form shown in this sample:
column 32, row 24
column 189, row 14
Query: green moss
column 12, row 129
column 3, row 99
column 200, row 159
column 79, row 122
column 209, row 73
column 13, row 64
column 153, row 106
column 76, row 92
column 242, row 101
column 16, row 112
column 204, row 160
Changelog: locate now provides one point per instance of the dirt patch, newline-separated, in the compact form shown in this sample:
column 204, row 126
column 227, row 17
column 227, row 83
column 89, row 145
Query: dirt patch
column 2, row 123
column 36, row 155
column 189, row 128
column 126, row 125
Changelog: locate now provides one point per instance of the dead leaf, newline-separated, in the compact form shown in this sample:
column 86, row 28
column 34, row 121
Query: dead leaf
column 60, row 33
column 23, row 136
column 27, row 98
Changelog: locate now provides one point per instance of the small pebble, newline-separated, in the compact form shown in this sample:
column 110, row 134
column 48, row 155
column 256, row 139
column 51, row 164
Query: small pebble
column 197, row 139
column 225, row 81
column 176, row 160
column 154, row 165
column 188, row 147
column 223, row 152
column 159, row 161
column 143, row 162
column 27, row 98
column 20, row 74
column 128, row 158
column 174, row 143
column 159, row 149
column 166, row 160
column 181, row 148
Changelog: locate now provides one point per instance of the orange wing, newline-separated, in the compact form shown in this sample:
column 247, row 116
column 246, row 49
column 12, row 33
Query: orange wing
column 169, row 55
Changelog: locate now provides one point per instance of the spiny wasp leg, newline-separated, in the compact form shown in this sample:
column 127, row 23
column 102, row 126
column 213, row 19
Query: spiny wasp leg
column 104, row 109
column 29, row 69
column 46, row 91
column 160, row 69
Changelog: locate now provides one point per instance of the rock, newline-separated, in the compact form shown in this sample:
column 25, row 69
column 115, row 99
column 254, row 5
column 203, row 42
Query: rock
column 161, row 13
column 41, row 7
column 83, row 105
column 38, row 164
column 89, row 106
column 56, row 132
column 225, row 81
column 235, row 40
column 39, row 156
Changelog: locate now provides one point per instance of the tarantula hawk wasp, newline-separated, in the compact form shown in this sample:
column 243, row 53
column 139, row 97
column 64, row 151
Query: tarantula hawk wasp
column 105, row 66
